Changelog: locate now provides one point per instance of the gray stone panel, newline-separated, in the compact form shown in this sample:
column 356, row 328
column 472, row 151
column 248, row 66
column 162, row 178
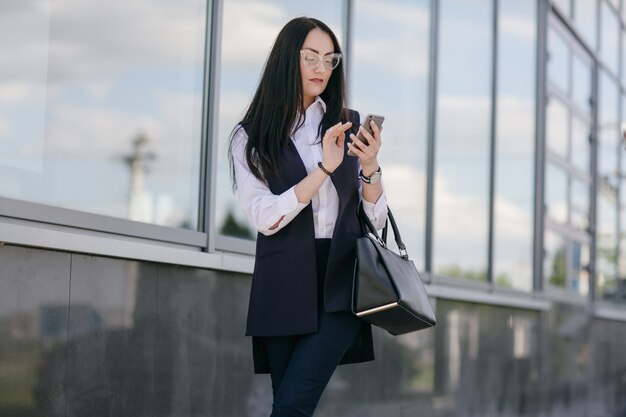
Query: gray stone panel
column 112, row 313
column 127, row 338
column 203, row 360
column 34, row 291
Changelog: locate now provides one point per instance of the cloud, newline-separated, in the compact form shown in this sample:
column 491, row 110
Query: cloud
column 400, row 43
column 17, row 93
column 87, row 39
column 247, row 43
column 517, row 27
column 374, row 12
column 96, row 133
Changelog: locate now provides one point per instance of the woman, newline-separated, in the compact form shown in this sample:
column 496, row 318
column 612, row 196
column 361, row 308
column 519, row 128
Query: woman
column 301, row 191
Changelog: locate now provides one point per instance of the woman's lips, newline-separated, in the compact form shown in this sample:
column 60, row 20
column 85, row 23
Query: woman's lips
column 316, row 80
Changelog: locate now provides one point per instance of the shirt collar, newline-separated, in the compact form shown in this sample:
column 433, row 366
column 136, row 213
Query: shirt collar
column 319, row 100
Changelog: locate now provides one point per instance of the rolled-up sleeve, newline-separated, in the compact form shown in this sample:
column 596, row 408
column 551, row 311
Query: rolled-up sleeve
column 262, row 208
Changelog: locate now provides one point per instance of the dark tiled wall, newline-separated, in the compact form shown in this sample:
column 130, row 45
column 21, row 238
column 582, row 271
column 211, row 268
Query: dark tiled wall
column 90, row 336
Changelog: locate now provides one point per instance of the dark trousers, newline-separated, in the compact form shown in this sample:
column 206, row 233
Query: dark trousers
column 302, row 365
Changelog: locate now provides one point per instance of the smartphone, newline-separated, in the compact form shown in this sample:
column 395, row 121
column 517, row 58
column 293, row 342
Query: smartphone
column 368, row 128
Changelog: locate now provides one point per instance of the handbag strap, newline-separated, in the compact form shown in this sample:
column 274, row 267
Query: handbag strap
column 368, row 227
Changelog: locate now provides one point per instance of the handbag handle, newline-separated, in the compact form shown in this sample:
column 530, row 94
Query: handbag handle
column 368, row 227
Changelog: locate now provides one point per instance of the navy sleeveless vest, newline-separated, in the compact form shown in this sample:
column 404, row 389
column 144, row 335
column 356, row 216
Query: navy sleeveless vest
column 283, row 297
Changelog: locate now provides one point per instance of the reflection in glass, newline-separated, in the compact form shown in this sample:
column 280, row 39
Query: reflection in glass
column 580, row 204
column 555, row 259
column 249, row 30
column 512, row 256
column 558, row 64
column 579, row 268
column 608, row 182
column 581, row 84
column 585, row 12
column 581, row 146
column 606, row 248
column 556, row 127
column 608, row 130
column 622, row 254
column 564, row 7
column 402, row 32
column 120, row 91
column 623, row 75
column 462, row 166
column 556, row 194
column 609, row 37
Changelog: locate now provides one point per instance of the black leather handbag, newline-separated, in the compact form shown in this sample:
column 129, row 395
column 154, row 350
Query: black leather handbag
column 388, row 292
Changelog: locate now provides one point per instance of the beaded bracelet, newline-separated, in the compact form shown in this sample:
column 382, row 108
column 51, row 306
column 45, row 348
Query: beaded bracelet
column 324, row 170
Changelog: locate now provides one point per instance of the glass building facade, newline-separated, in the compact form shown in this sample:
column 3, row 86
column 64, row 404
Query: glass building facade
column 125, row 261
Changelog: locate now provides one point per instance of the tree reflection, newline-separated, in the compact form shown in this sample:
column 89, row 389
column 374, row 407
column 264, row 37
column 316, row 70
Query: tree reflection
column 232, row 227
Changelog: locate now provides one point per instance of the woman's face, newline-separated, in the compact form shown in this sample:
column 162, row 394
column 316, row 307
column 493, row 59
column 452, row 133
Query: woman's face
column 315, row 79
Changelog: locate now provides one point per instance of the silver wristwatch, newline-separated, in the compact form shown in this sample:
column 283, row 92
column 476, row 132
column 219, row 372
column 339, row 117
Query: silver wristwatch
column 372, row 179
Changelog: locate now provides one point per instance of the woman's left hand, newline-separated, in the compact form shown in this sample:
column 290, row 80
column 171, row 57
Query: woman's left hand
column 367, row 153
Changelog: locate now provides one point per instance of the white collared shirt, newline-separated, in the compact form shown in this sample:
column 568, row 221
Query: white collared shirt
column 263, row 208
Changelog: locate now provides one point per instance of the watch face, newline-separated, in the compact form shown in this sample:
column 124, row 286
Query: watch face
column 375, row 177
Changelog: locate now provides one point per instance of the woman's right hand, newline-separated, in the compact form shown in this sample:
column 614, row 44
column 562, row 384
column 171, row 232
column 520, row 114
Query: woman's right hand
column 333, row 145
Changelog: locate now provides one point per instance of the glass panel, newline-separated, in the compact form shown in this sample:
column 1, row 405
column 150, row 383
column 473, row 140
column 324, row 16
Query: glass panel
column 609, row 37
column 463, row 122
column 564, row 7
column 555, row 259
column 558, row 60
column 608, row 131
column 623, row 55
column 608, row 181
column 585, row 15
column 606, row 261
column 580, row 204
column 101, row 107
column 513, row 220
column 581, row 84
column 581, row 146
column 556, row 127
column 579, row 263
column 622, row 255
column 403, row 33
column 556, row 194
column 249, row 30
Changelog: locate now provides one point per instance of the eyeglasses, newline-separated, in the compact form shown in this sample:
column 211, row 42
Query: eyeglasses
column 312, row 59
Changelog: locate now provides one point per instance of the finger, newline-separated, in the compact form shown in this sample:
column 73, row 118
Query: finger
column 377, row 130
column 375, row 127
column 362, row 146
column 368, row 136
column 339, row 130
column 355, row 150
column 341, row 138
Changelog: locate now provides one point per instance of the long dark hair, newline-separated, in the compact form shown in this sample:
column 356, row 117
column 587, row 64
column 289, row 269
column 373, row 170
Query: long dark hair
column 278, row 100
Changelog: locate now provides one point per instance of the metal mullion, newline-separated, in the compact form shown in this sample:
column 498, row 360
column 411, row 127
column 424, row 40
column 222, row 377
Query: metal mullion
column 430, row 160
column 567, row 231
column 492, row 154
column 569, row 28
column 347, row 49
column 620, row 70
column 204, row 178
column 558, row 161
column 540, row 143
column 212, row 137
column 594, row 185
